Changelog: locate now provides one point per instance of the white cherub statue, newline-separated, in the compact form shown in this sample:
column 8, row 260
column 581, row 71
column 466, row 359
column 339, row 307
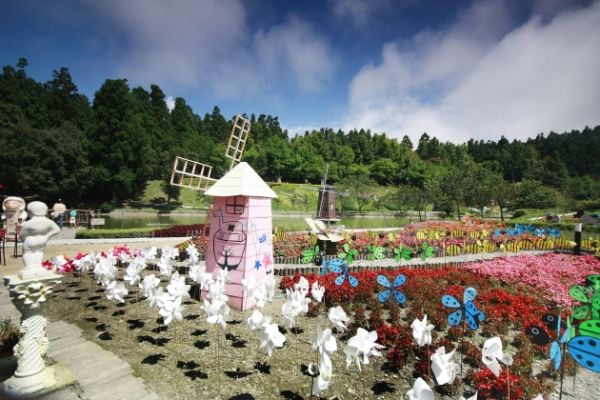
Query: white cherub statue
column 35, row 234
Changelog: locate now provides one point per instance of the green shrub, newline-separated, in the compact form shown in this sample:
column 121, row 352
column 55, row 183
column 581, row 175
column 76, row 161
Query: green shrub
column 113, row 233
column 518, row 213
column 106, row 207
column 590, row 205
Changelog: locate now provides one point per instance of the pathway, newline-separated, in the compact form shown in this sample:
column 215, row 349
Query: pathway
column 100, row 374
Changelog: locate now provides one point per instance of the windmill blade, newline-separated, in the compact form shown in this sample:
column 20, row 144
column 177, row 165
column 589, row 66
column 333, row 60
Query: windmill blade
column 237, row 139
column 191, row 174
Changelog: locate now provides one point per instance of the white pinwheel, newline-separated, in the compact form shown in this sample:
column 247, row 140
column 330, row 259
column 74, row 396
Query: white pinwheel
column 255, row 291
column 105, row 270
column 270, row 283
column 177, row 286
column 169, row 252
column 296, row 303
column 170, row 308
column 258, row 321
column 132, row 273
column 338, row 318
column 149, row 286
column 58, row 263
column 474, row 397
column 420, row 391
column 164, row 266
column 324, row 343
column 317, row 292
column 83, row 264
column 192, row 253
column 116, row 292
column 302, row 286
column 421, row 331
column 492, row 353
column 198, row 274
column 216, row 311
column 361, row 346
column 270, row 338
column 442, row 366
column 149, row 253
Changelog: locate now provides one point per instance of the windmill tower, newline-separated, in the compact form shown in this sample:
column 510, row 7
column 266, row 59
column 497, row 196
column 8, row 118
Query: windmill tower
column 239, row 238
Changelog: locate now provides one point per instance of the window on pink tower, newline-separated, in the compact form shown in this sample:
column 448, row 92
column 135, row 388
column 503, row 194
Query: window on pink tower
column 234, row 205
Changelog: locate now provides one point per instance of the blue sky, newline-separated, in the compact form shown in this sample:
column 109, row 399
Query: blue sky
column 455, row 69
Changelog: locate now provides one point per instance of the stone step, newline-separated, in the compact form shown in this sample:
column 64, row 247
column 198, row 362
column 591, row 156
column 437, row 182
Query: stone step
column 115, row 388
column 90, row 375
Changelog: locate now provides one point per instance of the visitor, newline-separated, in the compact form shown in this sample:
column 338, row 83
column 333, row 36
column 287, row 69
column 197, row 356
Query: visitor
column 58, row 213
column 73, row 218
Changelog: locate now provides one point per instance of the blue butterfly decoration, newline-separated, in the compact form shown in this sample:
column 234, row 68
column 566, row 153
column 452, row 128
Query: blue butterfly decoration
column 539, row 336
column 384, row 295
column 472, row 314
column 339, row 266
column 585, row 348
column 497, row 232
column 553, row 232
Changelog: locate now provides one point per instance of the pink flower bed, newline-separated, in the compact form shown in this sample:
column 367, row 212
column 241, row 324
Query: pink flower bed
column 552, row 274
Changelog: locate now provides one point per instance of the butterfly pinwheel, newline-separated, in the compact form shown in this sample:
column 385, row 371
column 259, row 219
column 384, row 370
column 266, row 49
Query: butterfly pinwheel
column 339, row 266
column 590, row 303
column 348, row 254
column 472, row 314
column 311, row 255
column 402, row 253
column 512, row 232
column 427, row 251
column 375, row 252
column 384, row 295
column 584, row 348
column 539, row 336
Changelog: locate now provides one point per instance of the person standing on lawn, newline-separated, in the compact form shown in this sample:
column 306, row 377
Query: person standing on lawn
column 58, row 213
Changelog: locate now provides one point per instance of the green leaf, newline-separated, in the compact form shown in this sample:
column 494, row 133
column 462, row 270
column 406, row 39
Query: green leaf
column 308, row 256
column 578, row 293
column 596, row 301
column 581, row 312
column 346, row 247
column 343, row 255
column 595, row 279
column 590, row 328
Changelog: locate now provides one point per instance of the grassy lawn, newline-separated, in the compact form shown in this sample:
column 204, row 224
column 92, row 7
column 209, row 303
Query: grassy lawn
column 291, row 197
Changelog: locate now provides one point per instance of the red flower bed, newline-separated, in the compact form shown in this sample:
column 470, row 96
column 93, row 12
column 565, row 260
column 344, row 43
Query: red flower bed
column 179, row 230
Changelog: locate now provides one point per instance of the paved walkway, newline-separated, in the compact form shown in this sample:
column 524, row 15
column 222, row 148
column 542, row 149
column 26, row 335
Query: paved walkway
column 100, row 374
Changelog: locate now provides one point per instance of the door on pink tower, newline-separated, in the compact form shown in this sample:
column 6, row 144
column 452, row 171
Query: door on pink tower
column 230, row 238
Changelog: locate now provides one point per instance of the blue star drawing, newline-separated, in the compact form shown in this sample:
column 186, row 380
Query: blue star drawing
column 257, row 264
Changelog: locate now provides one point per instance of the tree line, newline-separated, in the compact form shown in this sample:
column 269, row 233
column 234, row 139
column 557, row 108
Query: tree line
column 57, row 143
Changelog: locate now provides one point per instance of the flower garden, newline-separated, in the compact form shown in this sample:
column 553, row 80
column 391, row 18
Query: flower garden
column 488, row 330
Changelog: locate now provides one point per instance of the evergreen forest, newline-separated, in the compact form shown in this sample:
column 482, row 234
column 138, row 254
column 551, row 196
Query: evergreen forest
column 56, row 142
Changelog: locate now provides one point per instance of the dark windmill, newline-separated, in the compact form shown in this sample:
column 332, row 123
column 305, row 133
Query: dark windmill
column 326, row 203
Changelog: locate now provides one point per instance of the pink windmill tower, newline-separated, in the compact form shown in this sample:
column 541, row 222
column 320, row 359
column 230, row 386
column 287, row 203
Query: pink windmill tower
column 239, row 238
column 240, row 230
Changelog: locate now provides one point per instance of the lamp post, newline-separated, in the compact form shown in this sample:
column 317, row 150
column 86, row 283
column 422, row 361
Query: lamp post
column 578, row 239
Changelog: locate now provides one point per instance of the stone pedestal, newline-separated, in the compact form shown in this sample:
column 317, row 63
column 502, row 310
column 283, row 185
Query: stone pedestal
column 29, row 296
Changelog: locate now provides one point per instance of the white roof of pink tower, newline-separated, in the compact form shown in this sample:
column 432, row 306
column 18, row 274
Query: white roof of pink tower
column 241, row 181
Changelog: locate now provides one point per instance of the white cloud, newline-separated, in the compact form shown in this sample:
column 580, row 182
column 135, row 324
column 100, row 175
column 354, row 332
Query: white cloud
column 359, row 12
column 295, row 48
column 170, row 103
column 208, row 45
column 481, row 79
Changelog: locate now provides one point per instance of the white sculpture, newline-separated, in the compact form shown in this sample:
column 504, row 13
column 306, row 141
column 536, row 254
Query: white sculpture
column 28, row 291
column 14, row 213
column 35, row 234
